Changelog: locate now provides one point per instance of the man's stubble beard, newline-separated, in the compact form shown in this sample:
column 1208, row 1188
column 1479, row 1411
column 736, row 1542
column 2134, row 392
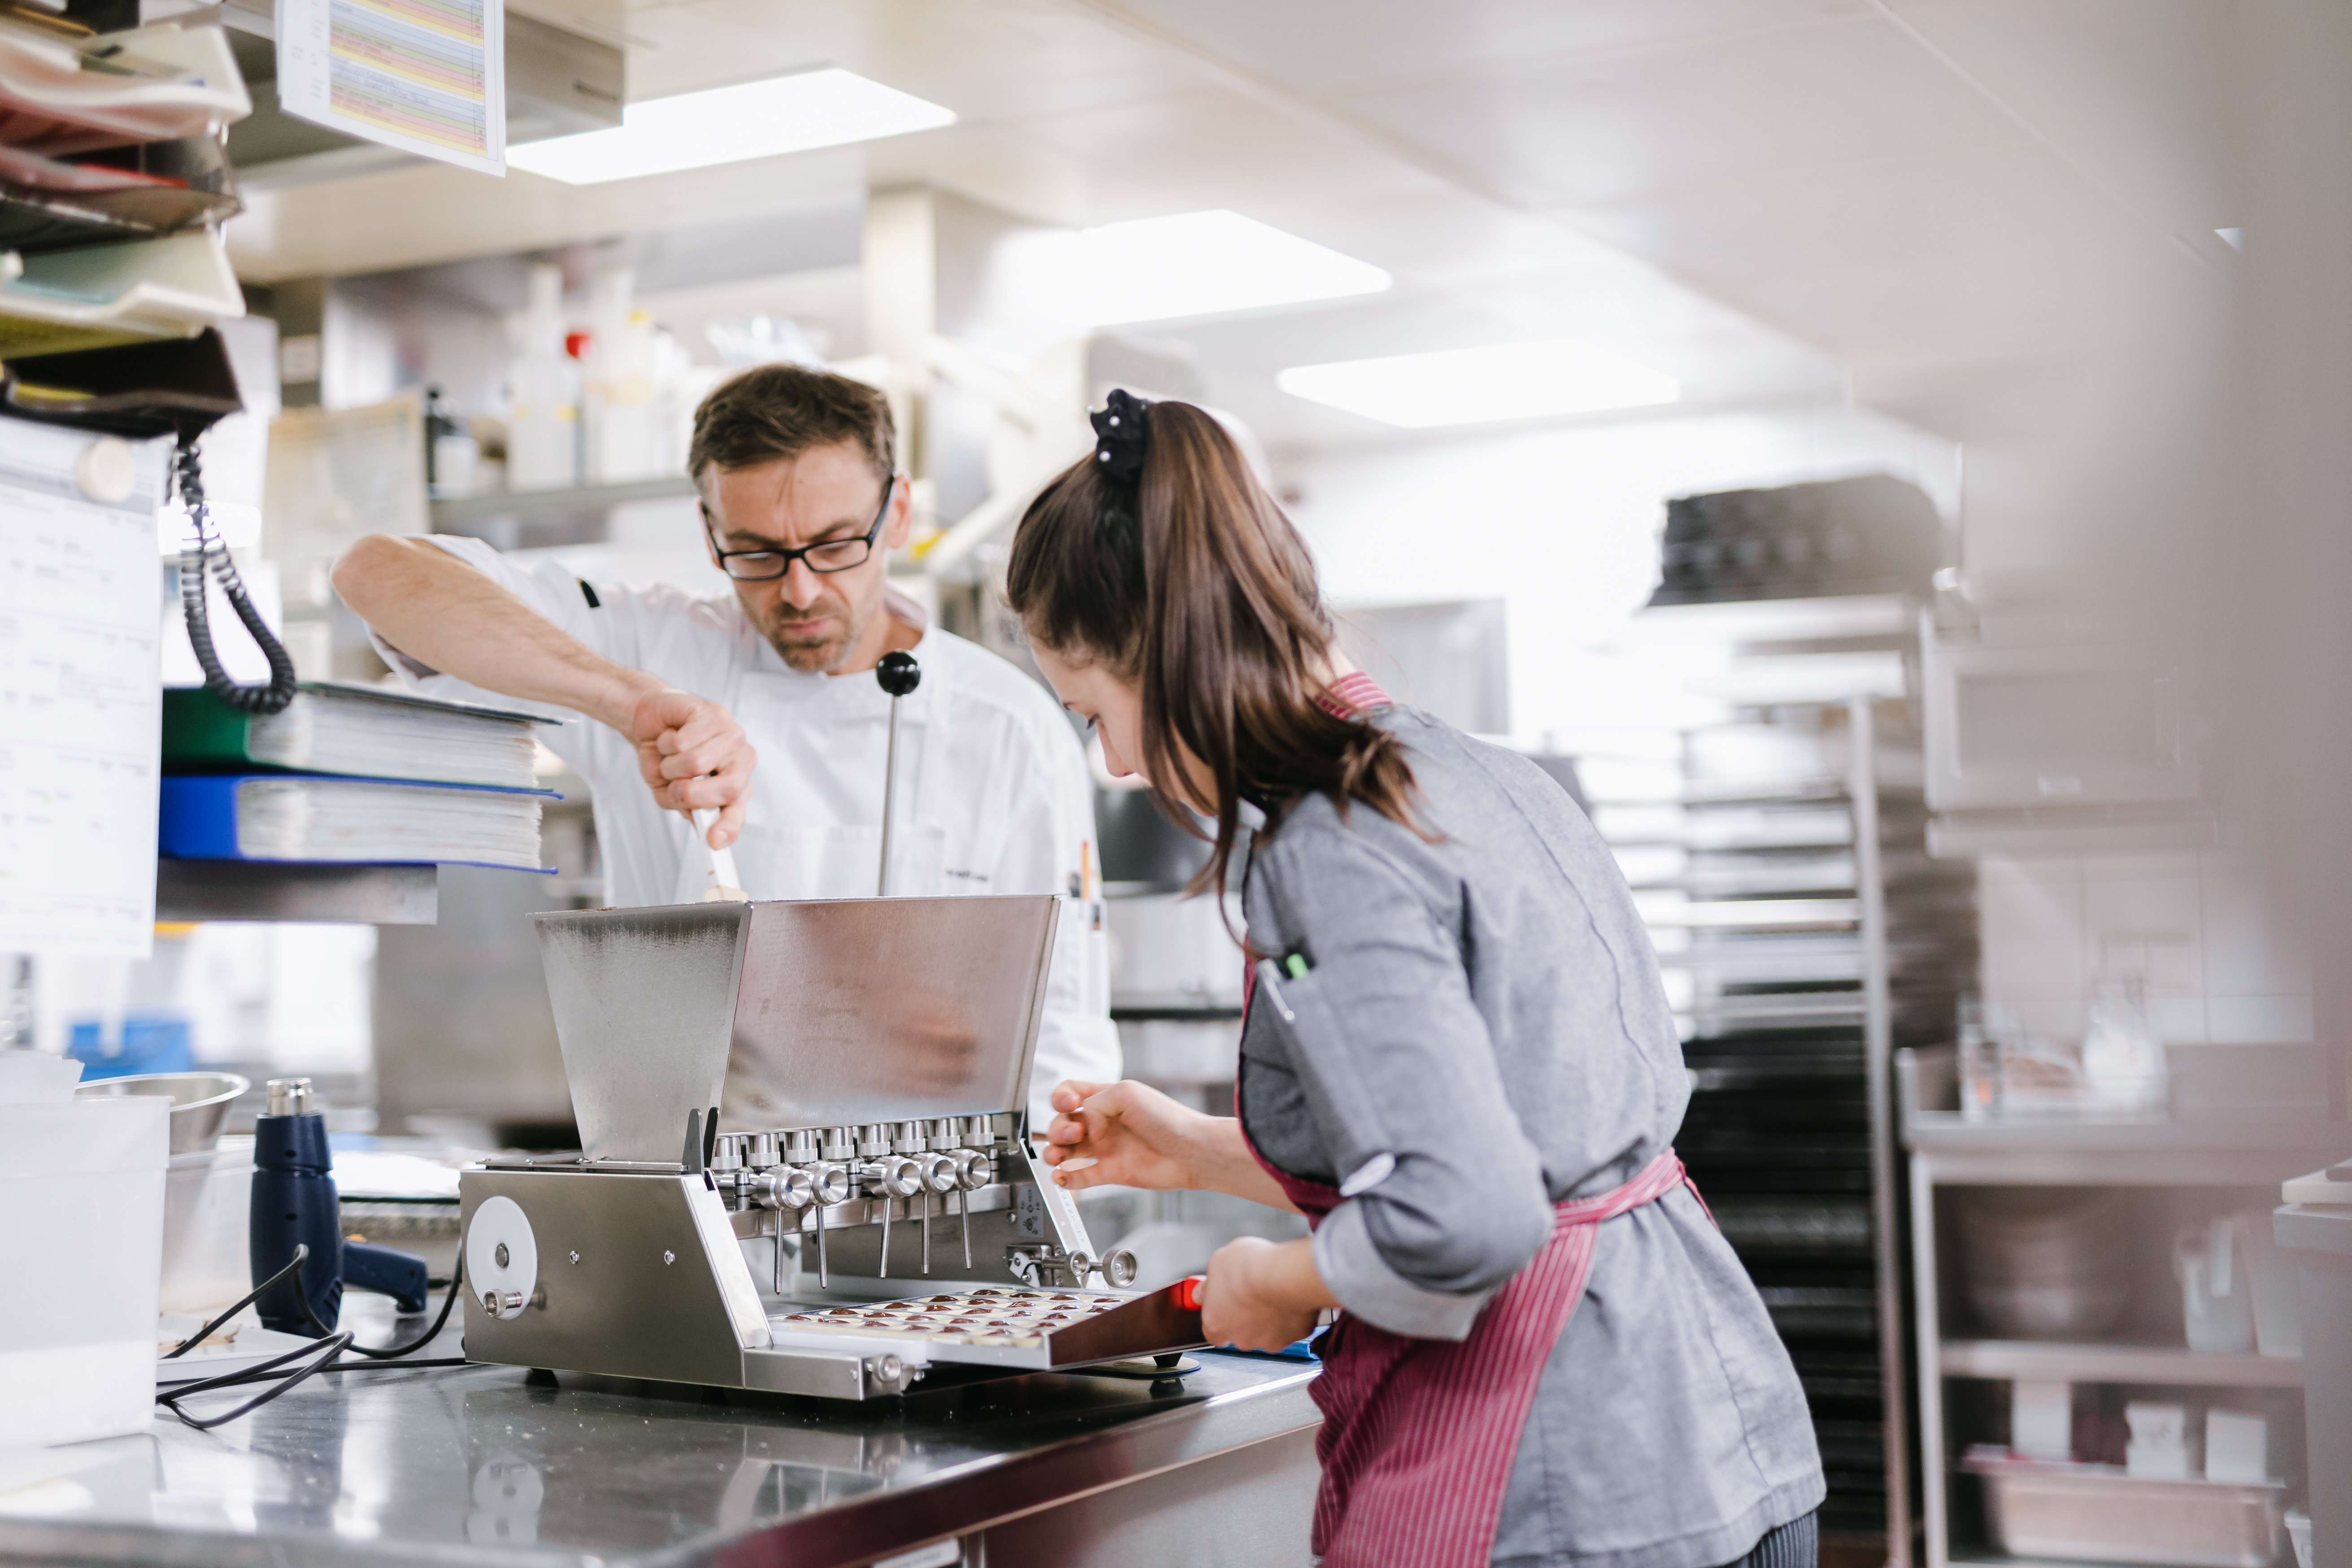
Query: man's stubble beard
column 815, row 658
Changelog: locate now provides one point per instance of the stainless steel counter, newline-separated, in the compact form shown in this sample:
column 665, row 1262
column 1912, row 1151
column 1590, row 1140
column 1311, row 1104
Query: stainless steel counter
column 499, row 1467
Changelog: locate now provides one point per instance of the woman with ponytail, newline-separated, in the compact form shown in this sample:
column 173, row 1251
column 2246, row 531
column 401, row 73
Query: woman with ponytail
column 1456, row 1060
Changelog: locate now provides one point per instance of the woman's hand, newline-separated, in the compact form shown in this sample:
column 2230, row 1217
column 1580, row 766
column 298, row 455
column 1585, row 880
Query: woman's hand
column 1126, row 1135
column 1262, row 1295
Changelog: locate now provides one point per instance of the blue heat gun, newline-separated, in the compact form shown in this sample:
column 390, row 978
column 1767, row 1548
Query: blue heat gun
column 294, row 1204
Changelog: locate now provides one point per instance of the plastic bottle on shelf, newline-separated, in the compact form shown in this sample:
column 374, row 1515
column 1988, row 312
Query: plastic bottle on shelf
column 1979, row 1064
column 542, row 436
column 452, row 457
column 2123, row 1056
column 624, row 426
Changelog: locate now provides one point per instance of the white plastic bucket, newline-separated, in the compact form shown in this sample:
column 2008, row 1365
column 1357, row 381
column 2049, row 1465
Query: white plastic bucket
column 81, row 1236
column 206, row 1208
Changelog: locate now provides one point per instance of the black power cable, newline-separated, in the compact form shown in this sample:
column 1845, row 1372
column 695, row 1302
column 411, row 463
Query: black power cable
column 330, row 1346
column 457, row 1278
column 170, row 1399
column 209, row 562
column 301, row 1251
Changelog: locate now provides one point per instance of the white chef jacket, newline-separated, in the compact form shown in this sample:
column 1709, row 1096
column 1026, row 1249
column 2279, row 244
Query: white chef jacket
column 993, row 792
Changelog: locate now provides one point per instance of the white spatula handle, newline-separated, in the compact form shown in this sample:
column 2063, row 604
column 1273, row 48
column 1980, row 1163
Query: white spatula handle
column 722, row 861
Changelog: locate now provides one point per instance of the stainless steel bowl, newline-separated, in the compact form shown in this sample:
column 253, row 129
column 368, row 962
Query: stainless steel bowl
column 199, row 1101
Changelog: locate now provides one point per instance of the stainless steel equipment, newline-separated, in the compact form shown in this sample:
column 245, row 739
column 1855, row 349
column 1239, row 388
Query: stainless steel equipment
column 764, row 1087
column 2026, row 716
column 199, row 1101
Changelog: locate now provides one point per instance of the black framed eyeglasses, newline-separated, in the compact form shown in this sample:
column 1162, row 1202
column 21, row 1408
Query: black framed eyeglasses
column 825, row 555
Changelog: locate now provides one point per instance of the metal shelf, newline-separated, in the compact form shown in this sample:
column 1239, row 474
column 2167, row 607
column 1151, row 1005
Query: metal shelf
column 323, row 894
column 1703, row 796
column 1947, row 1152
column 2195, row 1153
column 1792, row 1008
column 1807, row 829
column 1832, row 875
column 2030, row 1359
column 1757, row 914
column 573, row 515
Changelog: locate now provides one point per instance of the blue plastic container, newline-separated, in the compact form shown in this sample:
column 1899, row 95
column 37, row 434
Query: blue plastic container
column 150, row 1042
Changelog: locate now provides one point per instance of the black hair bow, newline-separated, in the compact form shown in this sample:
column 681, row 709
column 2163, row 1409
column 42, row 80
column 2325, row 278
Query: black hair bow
column 1122, row 434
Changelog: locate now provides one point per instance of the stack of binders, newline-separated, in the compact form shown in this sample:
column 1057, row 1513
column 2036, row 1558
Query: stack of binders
column 350, row 775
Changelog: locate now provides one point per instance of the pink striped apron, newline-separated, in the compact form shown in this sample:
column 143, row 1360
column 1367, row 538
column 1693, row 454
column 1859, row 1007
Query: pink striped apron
column 1419, row 1435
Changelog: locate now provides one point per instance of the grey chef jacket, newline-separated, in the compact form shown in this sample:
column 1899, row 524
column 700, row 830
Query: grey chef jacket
column 1484, row 1011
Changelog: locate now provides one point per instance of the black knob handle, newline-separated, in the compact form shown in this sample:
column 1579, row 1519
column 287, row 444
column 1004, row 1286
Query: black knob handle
column 898, row 674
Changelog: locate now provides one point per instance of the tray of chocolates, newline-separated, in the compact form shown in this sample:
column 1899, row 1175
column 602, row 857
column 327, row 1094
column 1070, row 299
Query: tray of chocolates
column 999, row 1325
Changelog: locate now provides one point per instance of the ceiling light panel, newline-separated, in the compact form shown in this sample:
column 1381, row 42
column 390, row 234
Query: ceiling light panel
column 1469, row 386
column 1208, row 264
column 730, row 124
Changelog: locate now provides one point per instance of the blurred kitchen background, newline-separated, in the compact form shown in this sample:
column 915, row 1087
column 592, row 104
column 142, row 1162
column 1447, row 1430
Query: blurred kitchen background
column 1883, row 458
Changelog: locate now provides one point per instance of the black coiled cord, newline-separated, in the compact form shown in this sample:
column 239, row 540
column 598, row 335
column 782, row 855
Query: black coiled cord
column 210, row 561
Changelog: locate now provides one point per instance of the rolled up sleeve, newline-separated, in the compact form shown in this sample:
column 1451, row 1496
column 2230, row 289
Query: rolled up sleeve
column 1351, row 1263
column 1394, row 1059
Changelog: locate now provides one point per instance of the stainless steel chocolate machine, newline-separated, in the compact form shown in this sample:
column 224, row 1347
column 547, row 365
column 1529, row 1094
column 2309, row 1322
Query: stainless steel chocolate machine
column 804, row 1165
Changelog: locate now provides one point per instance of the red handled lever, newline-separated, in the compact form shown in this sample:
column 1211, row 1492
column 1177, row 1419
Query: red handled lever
column 1188, row 1292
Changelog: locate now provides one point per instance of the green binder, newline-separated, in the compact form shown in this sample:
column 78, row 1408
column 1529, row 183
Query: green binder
column 363, row 730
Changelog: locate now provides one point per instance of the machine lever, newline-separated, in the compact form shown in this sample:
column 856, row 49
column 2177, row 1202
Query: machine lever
column 898, row 674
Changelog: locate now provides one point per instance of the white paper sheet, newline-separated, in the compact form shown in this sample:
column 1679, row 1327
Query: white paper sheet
column 427, row 77
column 80, row 702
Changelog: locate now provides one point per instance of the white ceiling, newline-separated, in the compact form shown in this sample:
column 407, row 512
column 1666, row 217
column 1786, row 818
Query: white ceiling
column 1765, row 197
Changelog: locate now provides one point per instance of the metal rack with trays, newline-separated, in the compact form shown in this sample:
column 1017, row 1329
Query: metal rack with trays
column 1805, row 933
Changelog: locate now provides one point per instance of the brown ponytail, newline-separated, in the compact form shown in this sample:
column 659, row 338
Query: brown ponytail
column 1192, row 584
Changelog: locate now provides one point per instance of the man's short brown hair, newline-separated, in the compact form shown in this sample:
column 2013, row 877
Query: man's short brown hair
column 774, row 411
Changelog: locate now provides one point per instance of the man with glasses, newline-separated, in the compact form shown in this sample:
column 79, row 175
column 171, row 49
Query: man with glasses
column 762, row 702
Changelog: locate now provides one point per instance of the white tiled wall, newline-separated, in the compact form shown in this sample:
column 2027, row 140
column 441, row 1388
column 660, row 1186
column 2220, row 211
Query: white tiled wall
column 2220, row 967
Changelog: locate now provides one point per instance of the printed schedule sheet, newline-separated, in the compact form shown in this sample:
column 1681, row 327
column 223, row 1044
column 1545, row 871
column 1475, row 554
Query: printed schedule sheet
column 425, row 76
column 80, row 702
